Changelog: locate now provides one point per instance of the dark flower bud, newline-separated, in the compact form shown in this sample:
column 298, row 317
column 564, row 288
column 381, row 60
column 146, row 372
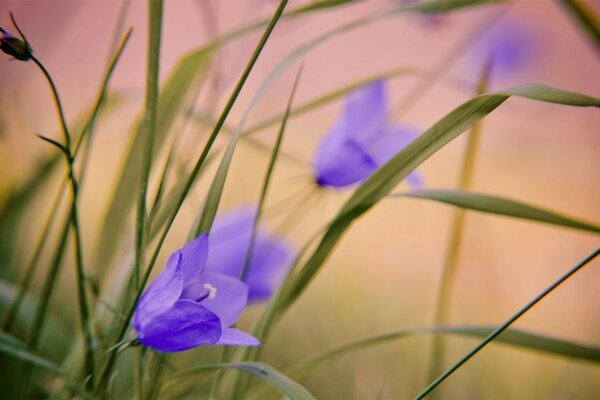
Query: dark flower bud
column 13, row 46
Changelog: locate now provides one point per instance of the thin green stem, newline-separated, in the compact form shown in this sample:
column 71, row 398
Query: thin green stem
column 504, row 326
column 267, row 180
column 107, row 368
column 83, row 304
column 449, row 268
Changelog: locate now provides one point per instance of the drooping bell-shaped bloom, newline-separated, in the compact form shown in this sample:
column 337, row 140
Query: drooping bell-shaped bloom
column 361, row 140
column 188, row 306
column 271, row 256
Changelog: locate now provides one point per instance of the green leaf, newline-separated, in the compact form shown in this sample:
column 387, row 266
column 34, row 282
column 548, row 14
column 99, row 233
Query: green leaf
column 282, row 383
column 501, row 206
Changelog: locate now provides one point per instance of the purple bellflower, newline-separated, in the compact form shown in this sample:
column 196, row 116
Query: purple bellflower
column 510, row 47
column 229, row 241
column 188, row 305
column 361, row 141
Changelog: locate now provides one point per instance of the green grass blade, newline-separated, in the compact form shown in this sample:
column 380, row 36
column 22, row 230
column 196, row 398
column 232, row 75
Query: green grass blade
column 17, row 349
column 267, row 180
column 516, row 337
column 585, row 17
column 178, row 88
column 500, row 206
column 282, row 383
column 155, row 14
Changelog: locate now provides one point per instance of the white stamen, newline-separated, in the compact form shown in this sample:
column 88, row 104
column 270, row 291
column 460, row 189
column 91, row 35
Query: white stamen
column 212, row 291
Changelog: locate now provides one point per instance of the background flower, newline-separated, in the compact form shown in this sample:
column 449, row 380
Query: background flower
column 229, row 241
column 361, row 140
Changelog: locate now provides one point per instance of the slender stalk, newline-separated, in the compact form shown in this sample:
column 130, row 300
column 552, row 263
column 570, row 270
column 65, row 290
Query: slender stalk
column 265, row 186
column 83, row 304
column 108, row 365
column 456, row 237
column 504, row 326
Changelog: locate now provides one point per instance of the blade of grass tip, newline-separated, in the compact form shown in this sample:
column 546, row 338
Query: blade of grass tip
column 13, row 310
column 379, row 184
column 504, row 326
column 500, row 206
column 111, row 359
column 585, row 17
column 449, row 267
column 155, row 13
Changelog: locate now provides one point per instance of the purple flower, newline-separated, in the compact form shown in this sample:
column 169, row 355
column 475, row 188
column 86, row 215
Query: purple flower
column 361, row 140
column 188, row 306
column 510, row 47
column 229, row 241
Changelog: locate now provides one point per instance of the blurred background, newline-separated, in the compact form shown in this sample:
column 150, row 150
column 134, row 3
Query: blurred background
column 384, row 275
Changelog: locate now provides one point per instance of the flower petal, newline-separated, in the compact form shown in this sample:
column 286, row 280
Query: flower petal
column 194, row 256
column 365, row 112
column 234, row 337
column 271, row 260
column 230, row 297
column 341, row 158
column 185, row 325
column 340, row 162
column 162, row 292
column 229, row 239
column 389, row 144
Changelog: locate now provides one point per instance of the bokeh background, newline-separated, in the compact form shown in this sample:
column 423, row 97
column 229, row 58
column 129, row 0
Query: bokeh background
column 385, row 274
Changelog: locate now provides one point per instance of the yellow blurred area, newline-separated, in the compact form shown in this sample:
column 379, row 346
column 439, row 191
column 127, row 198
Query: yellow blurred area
column 384, row 275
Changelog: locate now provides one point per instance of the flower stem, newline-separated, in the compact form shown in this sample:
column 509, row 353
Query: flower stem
column 504, row 326
column 83, row 304
column 456, row 237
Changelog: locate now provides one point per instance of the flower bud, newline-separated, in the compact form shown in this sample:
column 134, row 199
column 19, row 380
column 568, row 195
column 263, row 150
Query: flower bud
column 13, row 46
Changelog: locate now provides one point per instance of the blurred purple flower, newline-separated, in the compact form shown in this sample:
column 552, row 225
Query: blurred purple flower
column 509, row 46
column 229, row 241
column 361, row 140
column 188, row 306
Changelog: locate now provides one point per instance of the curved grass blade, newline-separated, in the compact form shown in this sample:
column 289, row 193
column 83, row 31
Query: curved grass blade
column 17, row 349
column 500, row 206
column 282, row 383
column 515, row 337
